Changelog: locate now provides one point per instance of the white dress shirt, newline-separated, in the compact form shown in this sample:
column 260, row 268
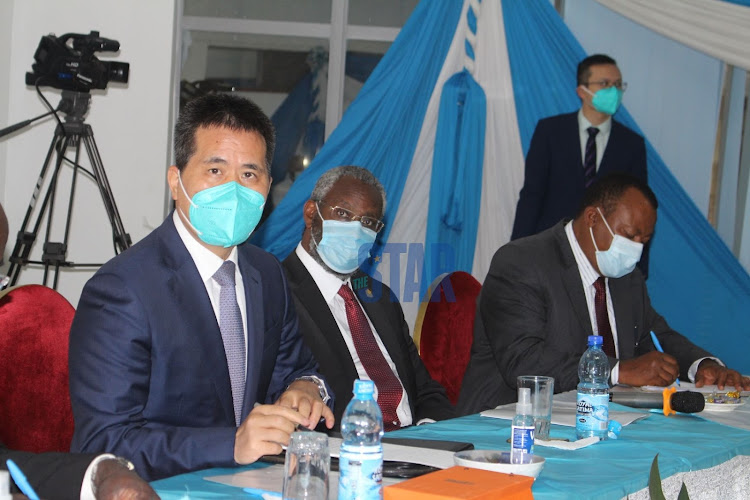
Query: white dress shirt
column 588, row 277
column 208, row 263
column 329, row 286
column 601, row 138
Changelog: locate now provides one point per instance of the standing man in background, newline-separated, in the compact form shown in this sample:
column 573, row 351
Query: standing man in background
column 569, row 151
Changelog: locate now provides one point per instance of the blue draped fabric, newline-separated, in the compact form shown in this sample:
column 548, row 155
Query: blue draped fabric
column 397, row 92
column 746, row 3
column 694, row 280
column 292, row 118
column 458, row 156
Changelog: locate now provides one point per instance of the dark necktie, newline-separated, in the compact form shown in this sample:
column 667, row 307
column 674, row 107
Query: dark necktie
column 375, row 364
column 602, row 317
column 589, row 159
column 233, row 335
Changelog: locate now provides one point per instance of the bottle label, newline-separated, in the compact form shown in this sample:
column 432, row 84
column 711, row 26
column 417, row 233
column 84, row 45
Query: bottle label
column 360, row 475
column 522, row 439
column 521, row 444
column 592, row 413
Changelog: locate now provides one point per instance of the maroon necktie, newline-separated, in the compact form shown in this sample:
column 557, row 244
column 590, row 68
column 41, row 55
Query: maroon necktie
column 602, row 318
column 377, row 368
column 589, row 158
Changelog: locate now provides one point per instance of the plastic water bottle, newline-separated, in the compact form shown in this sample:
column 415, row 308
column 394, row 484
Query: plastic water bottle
column 361, row 455
column 592, row 408
column 522, row 429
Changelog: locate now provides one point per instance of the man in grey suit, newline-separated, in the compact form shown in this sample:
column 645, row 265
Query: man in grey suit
column 539, row 303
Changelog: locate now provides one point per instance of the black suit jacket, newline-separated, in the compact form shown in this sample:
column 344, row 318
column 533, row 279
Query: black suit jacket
column 54, row 476
column 554, row 184
column 533, row 320
column 427, row 397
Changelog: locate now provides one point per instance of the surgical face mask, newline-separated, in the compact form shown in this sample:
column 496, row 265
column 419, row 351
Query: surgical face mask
column 344, row 245
column 606, row 100
column 224, row 215
column 621, row 257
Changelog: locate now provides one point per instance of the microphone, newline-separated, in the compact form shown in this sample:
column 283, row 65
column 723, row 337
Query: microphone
column 669, row 400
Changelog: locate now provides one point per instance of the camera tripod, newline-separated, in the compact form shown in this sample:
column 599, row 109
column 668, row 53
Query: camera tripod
column 68, row 134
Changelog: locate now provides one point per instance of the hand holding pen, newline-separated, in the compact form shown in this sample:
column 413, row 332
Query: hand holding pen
column 659, row 348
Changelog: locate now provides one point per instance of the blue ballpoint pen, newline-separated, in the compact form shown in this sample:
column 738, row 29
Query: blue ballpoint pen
column 659, row 348
column 20, row 479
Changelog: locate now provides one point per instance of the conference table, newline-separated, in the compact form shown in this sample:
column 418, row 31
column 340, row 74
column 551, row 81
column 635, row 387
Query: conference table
column 715, row 455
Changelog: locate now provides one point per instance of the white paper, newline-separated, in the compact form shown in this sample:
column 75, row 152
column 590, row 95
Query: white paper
column 689, row 386
column 566, row 445
column 564, row 411
column 442, row 459
column 272, row 479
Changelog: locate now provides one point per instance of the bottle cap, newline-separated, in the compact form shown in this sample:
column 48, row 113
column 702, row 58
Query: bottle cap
column 596, row 340
column 613, row 429
column 523, row 407
column 364, row 389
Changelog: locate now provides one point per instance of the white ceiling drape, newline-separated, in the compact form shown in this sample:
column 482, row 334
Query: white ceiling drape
column 714, row 27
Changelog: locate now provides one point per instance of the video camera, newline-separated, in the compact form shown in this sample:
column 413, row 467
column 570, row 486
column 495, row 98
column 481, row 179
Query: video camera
column 68, row 63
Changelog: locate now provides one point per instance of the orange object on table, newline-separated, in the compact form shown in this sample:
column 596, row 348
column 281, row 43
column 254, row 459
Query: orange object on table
column 462, row 483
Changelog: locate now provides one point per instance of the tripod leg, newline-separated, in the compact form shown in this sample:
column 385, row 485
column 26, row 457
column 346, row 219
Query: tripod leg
column 121, row 239
column 55, row 253
column 25, row 239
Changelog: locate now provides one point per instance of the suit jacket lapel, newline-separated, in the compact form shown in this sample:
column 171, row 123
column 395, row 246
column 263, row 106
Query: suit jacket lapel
column 622, row 304
column 572, row 277
column 255, row 331
column 311, row 300
column 193, row 304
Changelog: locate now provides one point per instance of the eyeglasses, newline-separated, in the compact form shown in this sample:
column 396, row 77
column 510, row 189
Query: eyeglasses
column 345, row 215
column 606, row 84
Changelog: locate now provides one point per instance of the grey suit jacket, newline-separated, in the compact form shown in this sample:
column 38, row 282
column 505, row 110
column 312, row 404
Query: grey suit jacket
column 532, row 319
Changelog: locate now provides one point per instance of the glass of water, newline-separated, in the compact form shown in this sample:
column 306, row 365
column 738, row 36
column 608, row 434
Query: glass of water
column 542, row 389
column 307, row 466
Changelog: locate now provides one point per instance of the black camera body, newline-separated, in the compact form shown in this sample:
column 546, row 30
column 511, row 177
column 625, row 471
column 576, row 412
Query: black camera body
column 68, row 63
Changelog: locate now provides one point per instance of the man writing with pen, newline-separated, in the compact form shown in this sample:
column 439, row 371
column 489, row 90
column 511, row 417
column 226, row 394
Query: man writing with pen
column 546, row 293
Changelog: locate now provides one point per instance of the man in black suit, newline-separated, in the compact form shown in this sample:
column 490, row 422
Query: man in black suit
column 556, row 174
column 78, row 475
column 545, row 294
column 363, row 336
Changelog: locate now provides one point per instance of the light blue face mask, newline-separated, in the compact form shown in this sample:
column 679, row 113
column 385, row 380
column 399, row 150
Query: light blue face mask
column 225, row 215
column 606, row 100
column 344, row 245
column 621, row 257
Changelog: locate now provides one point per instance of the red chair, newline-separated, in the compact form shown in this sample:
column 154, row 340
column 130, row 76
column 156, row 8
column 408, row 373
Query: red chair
column 445, row 329
column 35, row 412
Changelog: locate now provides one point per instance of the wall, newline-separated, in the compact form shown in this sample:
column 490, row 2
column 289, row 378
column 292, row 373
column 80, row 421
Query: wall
column 130, row 123
column 6, row 15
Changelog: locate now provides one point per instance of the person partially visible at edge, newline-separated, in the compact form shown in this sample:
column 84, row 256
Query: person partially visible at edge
column 67, row 476
column 184, row 351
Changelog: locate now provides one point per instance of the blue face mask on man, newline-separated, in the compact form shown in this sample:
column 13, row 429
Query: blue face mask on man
column 621, row 257
column 344, row 245
column 606, row 100
column 225, row 215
